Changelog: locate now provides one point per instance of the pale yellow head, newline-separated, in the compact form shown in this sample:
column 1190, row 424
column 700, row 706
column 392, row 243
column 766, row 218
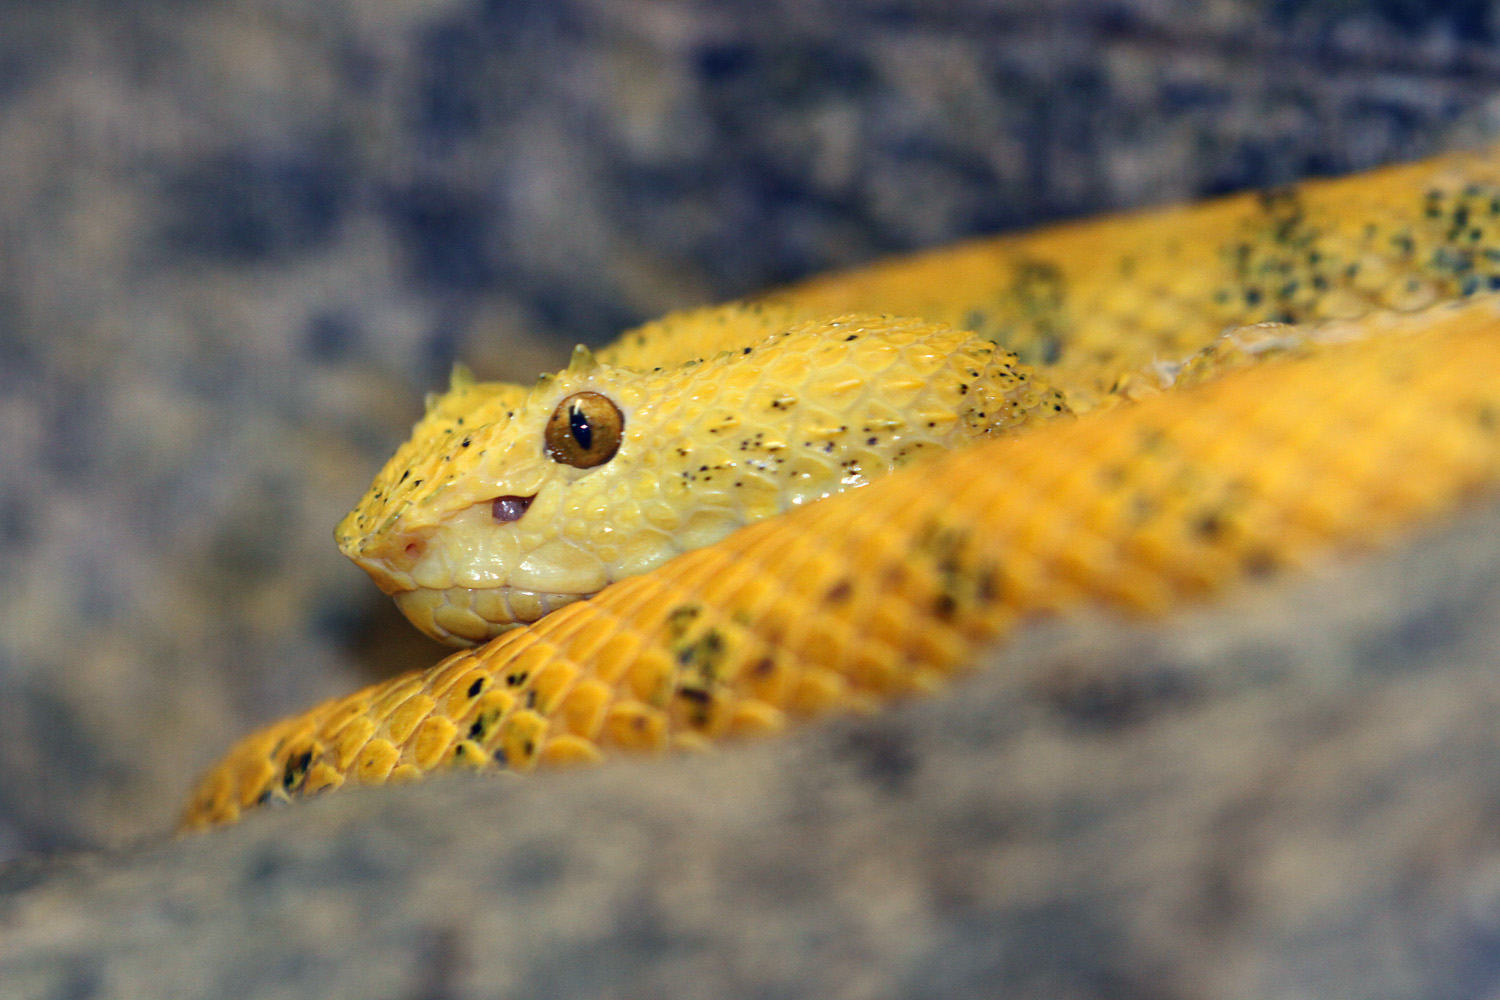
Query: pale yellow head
column 509, row 502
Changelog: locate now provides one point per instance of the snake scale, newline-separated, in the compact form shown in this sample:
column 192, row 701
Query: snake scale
column 1067, row 424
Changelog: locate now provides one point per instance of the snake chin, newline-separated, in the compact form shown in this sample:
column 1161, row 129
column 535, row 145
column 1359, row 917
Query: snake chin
column 463, row 616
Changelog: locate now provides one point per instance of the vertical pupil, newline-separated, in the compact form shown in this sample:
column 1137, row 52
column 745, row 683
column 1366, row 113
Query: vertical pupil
column 578, row 423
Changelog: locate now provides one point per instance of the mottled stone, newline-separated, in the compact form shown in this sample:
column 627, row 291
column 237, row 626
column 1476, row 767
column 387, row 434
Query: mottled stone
column 238, row 241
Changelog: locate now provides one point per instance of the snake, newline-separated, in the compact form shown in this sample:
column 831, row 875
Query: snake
column 836, row 494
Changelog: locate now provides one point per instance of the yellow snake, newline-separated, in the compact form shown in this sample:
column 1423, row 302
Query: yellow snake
column 1135, row 456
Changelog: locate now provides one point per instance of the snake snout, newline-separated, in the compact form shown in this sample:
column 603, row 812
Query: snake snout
column 390, row 559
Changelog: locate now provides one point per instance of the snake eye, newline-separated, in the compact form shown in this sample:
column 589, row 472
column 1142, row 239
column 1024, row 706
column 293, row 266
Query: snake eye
column 585, row 430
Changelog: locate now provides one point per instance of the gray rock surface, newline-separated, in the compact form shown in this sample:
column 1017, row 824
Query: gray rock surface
column 239, row 240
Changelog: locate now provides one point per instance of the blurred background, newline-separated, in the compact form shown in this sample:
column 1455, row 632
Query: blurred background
column 239, row 241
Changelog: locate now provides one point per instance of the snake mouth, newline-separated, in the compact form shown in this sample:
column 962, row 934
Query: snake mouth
column 466, row 616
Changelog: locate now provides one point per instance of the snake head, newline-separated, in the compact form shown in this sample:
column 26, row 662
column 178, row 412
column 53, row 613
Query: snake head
column 508, row 502
column 471, row 525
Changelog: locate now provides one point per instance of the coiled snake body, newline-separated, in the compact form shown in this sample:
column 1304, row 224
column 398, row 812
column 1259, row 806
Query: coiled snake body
column 1099, row 440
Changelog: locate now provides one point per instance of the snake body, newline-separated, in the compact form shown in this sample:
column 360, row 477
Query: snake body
column 1197, row 460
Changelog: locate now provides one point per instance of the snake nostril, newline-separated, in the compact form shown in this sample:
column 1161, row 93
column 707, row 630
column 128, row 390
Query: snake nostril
column 508, row 509
column 413, row 550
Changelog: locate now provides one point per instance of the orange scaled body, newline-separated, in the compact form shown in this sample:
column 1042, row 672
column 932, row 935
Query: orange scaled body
column 1197, row 462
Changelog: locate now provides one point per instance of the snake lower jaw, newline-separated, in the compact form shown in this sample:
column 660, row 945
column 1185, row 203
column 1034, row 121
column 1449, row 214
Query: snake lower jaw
column 463, row 616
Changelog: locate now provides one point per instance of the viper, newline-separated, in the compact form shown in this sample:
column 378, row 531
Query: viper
column 835, row 494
